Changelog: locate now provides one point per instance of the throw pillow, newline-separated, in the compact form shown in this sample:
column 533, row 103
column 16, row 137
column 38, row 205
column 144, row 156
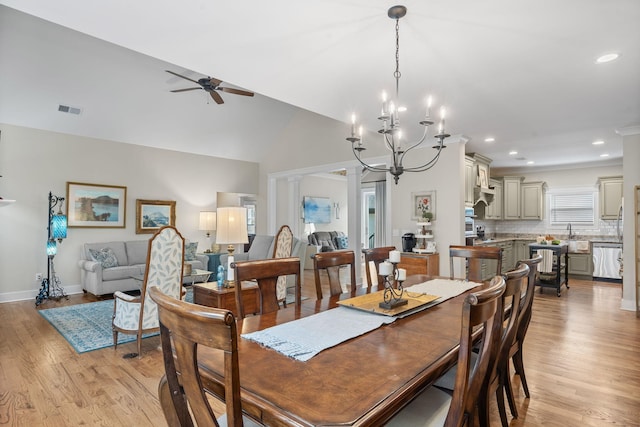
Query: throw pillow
column 104, row 256
column 190, row 251
column 342, row 242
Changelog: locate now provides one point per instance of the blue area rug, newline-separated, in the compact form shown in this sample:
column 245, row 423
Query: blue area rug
column 87, row 326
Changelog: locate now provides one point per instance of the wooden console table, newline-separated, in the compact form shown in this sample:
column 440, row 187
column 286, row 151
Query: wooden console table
column 416, row 263
column 211, row 295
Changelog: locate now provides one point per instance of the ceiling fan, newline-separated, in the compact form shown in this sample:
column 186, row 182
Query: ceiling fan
column 211, row 85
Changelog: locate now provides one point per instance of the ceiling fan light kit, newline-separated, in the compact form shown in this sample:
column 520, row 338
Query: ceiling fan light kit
column 211, row 85
column 391, row 131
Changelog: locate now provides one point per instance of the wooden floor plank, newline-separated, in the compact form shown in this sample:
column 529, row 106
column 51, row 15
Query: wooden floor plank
column 582, row 359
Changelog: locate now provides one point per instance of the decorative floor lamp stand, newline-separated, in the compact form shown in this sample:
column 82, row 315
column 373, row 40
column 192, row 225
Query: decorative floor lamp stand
column 56, row 229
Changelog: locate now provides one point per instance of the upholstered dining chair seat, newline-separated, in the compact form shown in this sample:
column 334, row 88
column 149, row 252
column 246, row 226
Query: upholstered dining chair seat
column 430, row 408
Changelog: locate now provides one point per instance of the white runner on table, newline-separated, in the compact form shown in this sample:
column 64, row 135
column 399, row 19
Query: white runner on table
column 444, row 288
column 304, row 338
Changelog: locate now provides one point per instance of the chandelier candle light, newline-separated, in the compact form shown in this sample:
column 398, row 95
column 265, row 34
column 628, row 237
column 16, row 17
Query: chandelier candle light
column 390, row 117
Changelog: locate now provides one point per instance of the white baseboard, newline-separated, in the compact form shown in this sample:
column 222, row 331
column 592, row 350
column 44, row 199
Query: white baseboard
column 33, row 293
column 628, row 304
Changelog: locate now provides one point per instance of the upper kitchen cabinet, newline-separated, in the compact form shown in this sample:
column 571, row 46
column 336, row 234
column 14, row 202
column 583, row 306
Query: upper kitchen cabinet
column 469, row 180
column 494, row 209
column 532, row 200
column 522, row 200
column 610, row 196
column 511, row 197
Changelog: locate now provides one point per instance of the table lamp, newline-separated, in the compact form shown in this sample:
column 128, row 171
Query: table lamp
column 231, row 228
column 208, row 224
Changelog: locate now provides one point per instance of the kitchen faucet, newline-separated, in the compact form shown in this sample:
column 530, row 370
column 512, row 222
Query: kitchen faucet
column 571, row 236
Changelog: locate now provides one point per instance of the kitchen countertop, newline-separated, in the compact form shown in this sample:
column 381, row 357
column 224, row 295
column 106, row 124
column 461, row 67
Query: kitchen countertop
column 531, row 239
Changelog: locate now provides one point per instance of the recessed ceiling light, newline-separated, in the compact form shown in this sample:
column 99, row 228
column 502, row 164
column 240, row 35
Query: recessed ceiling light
column 607, row 57
column 599, row 142
column 513, row 152
column 604, row 155
column 489, row 139
column 530, row 162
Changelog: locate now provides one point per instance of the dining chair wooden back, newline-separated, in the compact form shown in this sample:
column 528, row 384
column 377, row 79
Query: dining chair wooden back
column 481, row 308
column 474, row 256
column 375, row 255
column 526, row 308
column 515, row 281
column 183, row 328
column 266, row 272
column 332, row 262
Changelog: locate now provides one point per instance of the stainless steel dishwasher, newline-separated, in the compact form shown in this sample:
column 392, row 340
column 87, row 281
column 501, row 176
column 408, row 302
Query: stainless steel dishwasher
column 607, row 257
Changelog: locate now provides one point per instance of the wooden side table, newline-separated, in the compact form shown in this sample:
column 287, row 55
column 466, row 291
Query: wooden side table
column 416, row 263
column 211, row 295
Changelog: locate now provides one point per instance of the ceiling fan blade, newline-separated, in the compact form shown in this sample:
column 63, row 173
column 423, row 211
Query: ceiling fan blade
column 236, row 91
column 184, row 90
column 216, row 97
column 214, row 82
column 178, row 75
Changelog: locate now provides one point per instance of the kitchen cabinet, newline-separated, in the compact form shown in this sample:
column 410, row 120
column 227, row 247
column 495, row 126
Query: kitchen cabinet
column 532, row 200
column 469, row 181
column 610, row 196
column 494, row 210
column 522, row 200
column 581, row 265
column 511, row 197
column 507, row 255
column 521, row 251
column 488, row 266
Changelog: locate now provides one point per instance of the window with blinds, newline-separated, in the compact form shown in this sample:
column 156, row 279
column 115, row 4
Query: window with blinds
column 576, row 208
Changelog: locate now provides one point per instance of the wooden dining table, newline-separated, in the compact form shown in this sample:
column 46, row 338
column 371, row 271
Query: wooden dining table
column 360, row 382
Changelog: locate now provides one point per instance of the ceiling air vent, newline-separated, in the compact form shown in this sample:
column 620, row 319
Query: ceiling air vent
column 68, row 109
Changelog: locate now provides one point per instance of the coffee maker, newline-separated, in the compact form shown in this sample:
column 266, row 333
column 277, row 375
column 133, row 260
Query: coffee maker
column 408, row 242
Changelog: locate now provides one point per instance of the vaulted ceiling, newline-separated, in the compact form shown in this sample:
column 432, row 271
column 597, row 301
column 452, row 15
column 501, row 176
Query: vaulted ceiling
column 524, row 73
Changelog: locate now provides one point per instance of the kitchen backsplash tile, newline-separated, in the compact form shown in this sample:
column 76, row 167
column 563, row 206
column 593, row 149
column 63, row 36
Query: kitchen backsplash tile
column 603, row 228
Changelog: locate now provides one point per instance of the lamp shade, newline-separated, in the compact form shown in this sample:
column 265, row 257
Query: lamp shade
column 59, row 227
column 232, row 225
column 207, row 221
column 52, row 249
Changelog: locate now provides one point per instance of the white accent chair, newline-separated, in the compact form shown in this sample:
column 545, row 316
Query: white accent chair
column 165, row 261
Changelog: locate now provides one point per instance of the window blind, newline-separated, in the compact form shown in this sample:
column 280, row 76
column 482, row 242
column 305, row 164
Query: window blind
column 576, row 208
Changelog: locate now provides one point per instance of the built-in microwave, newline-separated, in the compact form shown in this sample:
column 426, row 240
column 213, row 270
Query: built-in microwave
column 469, row 224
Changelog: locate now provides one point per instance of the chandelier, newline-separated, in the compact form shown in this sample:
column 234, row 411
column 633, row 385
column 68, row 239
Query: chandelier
column 391, row 130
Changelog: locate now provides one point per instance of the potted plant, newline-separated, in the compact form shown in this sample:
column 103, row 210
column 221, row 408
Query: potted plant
column 427, row 216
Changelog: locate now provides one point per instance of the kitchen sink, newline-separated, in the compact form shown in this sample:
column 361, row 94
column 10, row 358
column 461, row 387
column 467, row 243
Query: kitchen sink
column 579, row 246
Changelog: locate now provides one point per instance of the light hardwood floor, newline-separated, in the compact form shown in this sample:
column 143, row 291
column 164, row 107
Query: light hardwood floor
column 582, row 358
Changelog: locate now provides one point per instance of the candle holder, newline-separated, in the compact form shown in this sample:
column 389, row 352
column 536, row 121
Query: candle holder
column 393, row 294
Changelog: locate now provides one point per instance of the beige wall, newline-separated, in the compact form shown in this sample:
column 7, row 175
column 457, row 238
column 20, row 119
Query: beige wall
column 35, row 162
column 631, row 148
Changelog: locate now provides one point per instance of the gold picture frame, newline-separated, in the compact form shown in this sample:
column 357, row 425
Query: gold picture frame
column 152, row 215
column 96, row 205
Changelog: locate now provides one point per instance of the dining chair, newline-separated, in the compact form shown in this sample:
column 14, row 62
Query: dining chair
column 474, row 256
column 282, row 248
column 165, row 260
column 510, row 301
column 434, row 407
column 266, row 273
column 184, row 327
column 526, row 308
column 332, row 262
column 375, row 255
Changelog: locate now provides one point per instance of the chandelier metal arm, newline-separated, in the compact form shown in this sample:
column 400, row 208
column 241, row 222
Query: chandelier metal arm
column 356, row 153
column 431, row 162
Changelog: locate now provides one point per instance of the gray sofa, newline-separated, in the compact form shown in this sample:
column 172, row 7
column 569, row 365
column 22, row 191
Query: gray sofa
column 329, row 241
column 262, row 248
column 131, row 259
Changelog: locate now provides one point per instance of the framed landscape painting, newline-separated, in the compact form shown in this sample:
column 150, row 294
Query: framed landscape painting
column 95, row 205
column 154, row 214
column 317, row 210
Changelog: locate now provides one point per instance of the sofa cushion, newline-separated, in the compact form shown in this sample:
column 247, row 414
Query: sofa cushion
column 137, row 251
column 261, row 247
column 117, row 248
column 342, row 242
column 104, row 256
column 123, row 272
column 190, row 250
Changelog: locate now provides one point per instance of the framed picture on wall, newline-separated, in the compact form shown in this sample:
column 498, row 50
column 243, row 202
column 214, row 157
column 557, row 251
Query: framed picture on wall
column 423, row 205
column 154, row 214
column 316, row 210
column 96, row 205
